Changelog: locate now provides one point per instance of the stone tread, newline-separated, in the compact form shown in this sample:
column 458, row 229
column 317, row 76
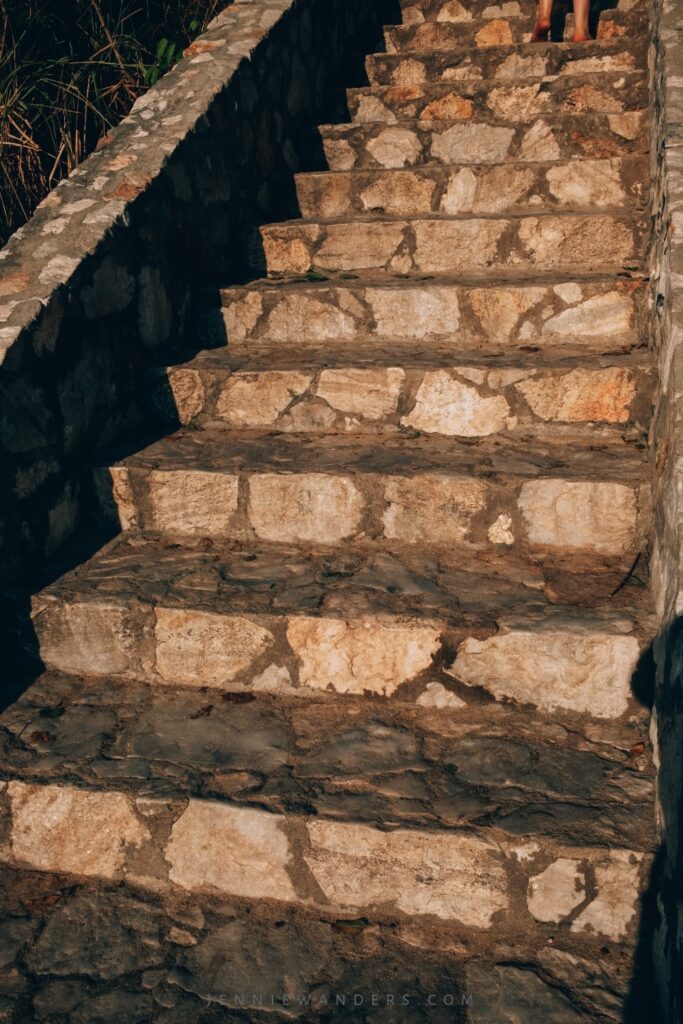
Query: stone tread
column 488, row 766
column 414, row 142
column 134, row 955
column 517, row 100
column 438, row 243
column 518, row 61
column 267, row 452
column 518, row 188
column 480, row 33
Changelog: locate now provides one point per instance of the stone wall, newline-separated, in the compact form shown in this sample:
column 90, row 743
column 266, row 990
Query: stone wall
column 102, row 276
column 666, row 61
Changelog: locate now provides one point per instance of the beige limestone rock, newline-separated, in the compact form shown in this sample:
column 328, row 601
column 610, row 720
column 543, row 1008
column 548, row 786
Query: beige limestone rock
column 359, row 245
column 374, row 655
column 61, row 828
column 289, row 254
column 518, row 66
column 520, row 102
column 539, row 143
column 399, row 192
column 579, row 515
column 340, row 154
column 370, row 108
column 196, row 648
column 454, row 245
column 597, row 395
column 236, row 850
column 445, row 405
column 451, row 876
column 557, row 891
column 587, row 183
column 472, row 144
column 554, row 241
column 410, row 72
column 370, row 394
column 628, row 125
column 437, row 696
column 496, row 33
column 395, row 147
column 588, row 98
column 451, row 107
column 242, row 315
column 453, row 11
column 298, row 316
column 191, row 502
column 569, row 292
column 616, row 904
column 502, row 188
column 500, row 530
column 431, row 509
column 304, row 507
column 188, row 393
column 414, row 312
column 461, row 192
column 87, row 639
column 499, row 310
column 116, row 485
column 609, row 313
column 554, row 669
column 257, row 400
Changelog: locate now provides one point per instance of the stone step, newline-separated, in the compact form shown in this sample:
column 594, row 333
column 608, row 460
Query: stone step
column 505, row 31
column 535, row 510
column 530, row 60
column 479, row 883
column 475, row 188
column 468, row 317
column 338, row 393
column 250, row 619
column 415, row 12
column 508, row 102
column 411, row 143
column 190, row 957
column 516, row 61
column 608, row 242
column 432, row 763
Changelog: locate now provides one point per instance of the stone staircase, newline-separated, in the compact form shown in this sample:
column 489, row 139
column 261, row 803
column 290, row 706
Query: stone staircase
column 351, row 702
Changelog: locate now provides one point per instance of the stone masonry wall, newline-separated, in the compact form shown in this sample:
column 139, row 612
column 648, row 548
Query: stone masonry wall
column 666, row 61
column 101, row 276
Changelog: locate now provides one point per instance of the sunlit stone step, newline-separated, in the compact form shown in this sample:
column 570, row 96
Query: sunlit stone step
column 507, row 101
column 533, row 60
column 443, row 245
column 276, row 620
column 344, row 868
column 450, row 315
column 541, row 508
column 411, row 143
column 503, row 30
column 338, row 393
column 477, row 188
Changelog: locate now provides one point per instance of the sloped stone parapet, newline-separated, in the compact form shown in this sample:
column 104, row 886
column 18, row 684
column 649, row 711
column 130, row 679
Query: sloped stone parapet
column 102, row 274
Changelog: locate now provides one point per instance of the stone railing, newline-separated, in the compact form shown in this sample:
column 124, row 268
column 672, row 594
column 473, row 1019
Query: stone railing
column 104, row 272
column 666, row 67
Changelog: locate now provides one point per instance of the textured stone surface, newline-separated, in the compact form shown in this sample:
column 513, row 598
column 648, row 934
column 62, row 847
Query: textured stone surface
column 203, row 649
column 454, row 878
column 553, row 669
column 599, row 517
column 556, row 891
column 352, row 657
column 237, row 851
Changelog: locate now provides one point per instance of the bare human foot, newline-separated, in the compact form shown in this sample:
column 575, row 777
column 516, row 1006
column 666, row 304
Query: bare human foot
column 541, row 33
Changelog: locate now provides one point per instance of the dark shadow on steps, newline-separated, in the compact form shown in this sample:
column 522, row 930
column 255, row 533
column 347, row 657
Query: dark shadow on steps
column 564, row 7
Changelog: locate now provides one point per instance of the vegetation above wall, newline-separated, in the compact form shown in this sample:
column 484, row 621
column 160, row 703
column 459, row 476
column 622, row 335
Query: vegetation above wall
column 68, row 73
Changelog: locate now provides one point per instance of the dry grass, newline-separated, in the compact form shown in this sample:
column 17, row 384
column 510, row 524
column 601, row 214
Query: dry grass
column 69, row 71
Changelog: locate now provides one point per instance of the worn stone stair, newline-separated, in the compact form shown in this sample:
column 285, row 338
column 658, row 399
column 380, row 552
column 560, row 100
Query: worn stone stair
column 360, row 679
